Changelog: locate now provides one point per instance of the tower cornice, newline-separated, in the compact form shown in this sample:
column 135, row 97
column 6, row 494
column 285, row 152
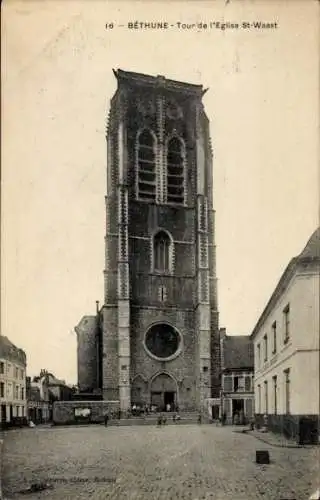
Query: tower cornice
column 158, row 82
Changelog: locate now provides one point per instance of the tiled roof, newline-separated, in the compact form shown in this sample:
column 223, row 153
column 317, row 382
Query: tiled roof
column 237, row 352
column 11, row 352
column 310, row 253
column 312, row 248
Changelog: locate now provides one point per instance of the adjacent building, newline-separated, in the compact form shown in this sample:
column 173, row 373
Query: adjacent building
column 13, row 402
column 237, row 370
column 39, row 404
column 89, row 355
column 156, row 338
column 286, row 345
column 42, row 392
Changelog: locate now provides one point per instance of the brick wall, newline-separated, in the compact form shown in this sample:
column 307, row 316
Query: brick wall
column 110, row 353
column 182, row 368
column 178, row 304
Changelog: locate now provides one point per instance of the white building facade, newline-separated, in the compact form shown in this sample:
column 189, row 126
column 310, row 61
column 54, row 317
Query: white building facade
column 13, row 402
column 286, row 346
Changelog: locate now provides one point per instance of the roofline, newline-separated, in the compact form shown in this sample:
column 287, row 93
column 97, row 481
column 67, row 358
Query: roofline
column 159, row 81
column 281, row 286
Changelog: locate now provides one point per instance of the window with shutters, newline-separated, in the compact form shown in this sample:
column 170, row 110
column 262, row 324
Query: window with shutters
column 248, row 383
column 274, row 336
column 227, row 383
column 286, row 315
column 275, row 390
column 265, row 347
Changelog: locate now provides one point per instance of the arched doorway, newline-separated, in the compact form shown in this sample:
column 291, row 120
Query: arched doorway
column 163, row 391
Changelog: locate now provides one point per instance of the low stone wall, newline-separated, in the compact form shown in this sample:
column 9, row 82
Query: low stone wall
column 304, row 429
column 83, row 412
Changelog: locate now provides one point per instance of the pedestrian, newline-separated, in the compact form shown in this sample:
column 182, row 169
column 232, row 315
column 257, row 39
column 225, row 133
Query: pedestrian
column 236, row 418
column 224, row 418
column 252, row 424
column 106, row 418
column 241, row 417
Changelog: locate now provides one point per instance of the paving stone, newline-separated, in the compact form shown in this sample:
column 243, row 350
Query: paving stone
column 148, row 463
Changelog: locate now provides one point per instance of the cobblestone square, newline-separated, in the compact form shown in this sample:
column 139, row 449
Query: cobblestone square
column 145, row 462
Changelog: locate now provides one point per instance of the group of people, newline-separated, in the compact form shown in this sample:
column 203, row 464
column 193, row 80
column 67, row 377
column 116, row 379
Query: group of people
column 139, row 409
column 162, row 419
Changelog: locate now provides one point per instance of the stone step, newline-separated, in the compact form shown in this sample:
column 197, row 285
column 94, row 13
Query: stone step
column 139, row 421
column 185, row 418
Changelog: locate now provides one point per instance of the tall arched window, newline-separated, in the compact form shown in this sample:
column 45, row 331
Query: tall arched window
column 146, row 166
column 161, row 252
column 175, row 171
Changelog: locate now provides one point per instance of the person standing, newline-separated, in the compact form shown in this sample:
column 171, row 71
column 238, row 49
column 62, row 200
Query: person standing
column 224, row 418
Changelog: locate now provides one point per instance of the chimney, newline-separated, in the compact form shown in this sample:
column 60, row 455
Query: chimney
column 97, row 306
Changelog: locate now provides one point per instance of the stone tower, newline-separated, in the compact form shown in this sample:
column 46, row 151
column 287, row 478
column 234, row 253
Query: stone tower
column 160, row 317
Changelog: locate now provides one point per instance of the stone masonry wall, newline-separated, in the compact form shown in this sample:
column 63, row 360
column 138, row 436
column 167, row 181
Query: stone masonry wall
column 87, row 334
column 182, row 368
column 64, row 411
column 110, row 380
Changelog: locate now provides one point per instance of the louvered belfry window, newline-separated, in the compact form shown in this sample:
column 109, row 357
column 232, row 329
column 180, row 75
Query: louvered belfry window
column 146, row 168
column 175, row 171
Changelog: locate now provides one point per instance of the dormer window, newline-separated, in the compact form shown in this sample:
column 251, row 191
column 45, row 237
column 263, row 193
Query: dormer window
column 175, row 171
column 146, row 166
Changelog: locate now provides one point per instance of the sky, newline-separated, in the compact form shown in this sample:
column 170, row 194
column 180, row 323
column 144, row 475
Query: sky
column 57, row 80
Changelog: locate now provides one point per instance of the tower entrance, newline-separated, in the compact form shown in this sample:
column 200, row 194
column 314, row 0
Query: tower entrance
column 163, row 392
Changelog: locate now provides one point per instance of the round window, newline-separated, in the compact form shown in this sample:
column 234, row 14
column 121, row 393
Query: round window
column 162, row 341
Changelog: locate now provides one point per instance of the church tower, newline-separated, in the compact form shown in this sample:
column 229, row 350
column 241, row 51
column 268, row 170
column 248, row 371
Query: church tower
column 160, row 334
